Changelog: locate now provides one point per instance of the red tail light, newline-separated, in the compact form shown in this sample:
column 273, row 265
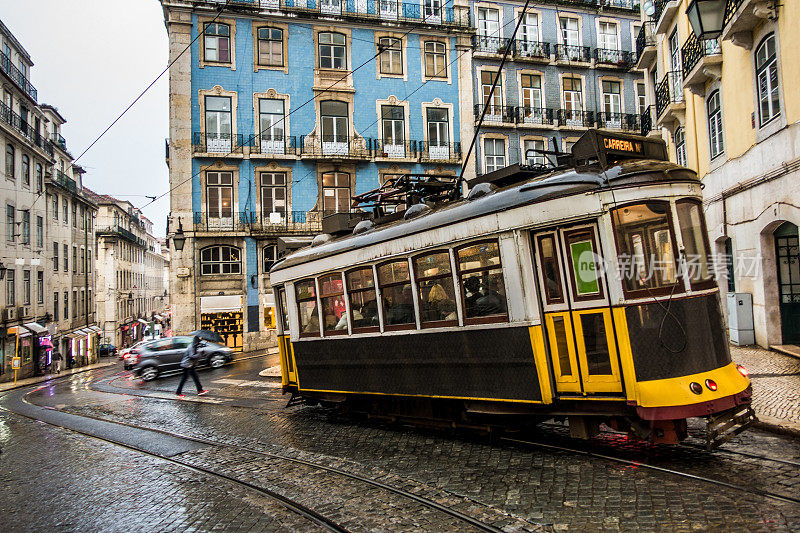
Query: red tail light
column 742, row 370
column 711, row 384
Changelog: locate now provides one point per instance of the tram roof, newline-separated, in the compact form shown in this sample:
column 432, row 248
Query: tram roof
column 531, row 191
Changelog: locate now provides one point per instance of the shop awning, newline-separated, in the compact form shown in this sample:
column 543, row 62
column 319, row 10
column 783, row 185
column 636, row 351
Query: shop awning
column 19, row 331
column 36, row 328
column 95, row 329
column 158, row 317
column 142, row 321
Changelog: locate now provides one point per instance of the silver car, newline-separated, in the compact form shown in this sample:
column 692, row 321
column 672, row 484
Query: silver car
column 164, row 355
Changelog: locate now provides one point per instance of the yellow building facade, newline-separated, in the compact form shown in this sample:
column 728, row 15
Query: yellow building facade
column 729, row 108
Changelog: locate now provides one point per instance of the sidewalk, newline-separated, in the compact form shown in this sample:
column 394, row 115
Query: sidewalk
column 8, row 385
column 776, row 387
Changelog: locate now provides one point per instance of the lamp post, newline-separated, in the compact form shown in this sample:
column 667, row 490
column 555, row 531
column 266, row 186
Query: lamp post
column 706, row 18
column 179, row 239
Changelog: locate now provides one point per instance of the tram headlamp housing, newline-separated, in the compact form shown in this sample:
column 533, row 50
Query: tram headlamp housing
column 695, row 387
column 711, row 384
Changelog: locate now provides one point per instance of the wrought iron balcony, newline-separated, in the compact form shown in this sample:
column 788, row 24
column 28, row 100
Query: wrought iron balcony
column 64, row 181
column 567, row 52
column 665, row 11
column 534, row 116
column 491, row 45
column 59, row 141
column 496, row 114
column 701, row 61
column 613, row 58
column 620, row 4
column 575, row 118
column 376, row 10
column 524, row 49
column 273, row 223
column 742, row 17
column 17, row 76
column 619, row 121
column 217, row 143
column 440, row 152
column 334, row 147
column 394, row 149
column 268, row 144
column 15, row 121
column 646, row 44
column 647, row 120
column 669, row 91
column 117, row 230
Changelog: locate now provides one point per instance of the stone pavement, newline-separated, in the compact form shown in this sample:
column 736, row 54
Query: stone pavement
column 776, row 387
column 8, row 385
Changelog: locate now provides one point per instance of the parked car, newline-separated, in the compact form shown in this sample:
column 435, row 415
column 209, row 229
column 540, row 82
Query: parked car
column 106, row 350
column 164, row 355
column 208, row 335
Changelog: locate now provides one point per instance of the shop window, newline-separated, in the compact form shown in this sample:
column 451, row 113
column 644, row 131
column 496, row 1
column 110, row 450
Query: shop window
column 220, row 260
column 308, row 314
column 363, row 300
column 394, row 280
column 437, row 299
column 482, row 288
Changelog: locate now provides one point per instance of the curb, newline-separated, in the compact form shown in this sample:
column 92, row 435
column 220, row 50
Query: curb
column 776, row 425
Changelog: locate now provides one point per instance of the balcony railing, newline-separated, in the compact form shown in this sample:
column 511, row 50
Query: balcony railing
column 334, row 146
column 122, row 232
column 619, row 121
column 620, row 4
column 645, row 38
column 15, row 121
column 440, row 151
column 496, row 114
column 17, row 76
column 491, row 45
column 731, row 6
column 617, row 58
column 535, row 115
column 575, row 118
column 390, row 10
column 659, row 6
column 531, row 49
column 669, row 91
column 394, row 149
column 567, row 52
column 65, row 181
column 647, row 120
column 59, row 141
column 273, row 145
column 279, row 222
column 217, row 143
column 694, row 49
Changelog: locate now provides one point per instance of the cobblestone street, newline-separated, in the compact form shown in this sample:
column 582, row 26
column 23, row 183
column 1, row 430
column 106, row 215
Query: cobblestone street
column 219, row 462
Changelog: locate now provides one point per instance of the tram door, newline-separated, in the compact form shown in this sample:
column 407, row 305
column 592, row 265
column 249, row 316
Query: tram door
column 577, row 315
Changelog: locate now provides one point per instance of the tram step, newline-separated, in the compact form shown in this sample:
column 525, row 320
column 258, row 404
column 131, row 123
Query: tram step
column 726, row 425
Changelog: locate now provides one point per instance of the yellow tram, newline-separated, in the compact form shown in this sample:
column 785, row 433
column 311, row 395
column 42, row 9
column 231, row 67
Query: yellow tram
column 584, row 290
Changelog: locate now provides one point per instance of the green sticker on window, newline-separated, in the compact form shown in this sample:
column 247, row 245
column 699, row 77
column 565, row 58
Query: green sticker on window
column 584, row 267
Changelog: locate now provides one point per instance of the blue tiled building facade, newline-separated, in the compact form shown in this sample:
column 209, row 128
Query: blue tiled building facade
column 569, row 68
column 280, row 114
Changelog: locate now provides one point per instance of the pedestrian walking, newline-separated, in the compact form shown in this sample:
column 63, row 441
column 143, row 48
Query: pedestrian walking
column 57, row 362
column 188, row 362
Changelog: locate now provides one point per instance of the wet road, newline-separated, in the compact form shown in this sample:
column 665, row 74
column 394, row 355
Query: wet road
column 97, row 451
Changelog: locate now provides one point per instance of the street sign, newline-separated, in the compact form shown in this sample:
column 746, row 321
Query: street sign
column 16, row 363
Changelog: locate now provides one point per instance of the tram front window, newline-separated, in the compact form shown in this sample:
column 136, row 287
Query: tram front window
column 307, row 308
column 331, row 292
column 484, row 292
column 435, row 284
column 398, row 304
column 695, row 242
column 646, row 252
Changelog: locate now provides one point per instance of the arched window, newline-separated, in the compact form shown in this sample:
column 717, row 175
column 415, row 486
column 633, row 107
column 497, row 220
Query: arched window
column 26, row 170
column 332, row 50
column 769, row 104
column 270, row 47
column 220, row 260
column 715, row 139
column 217, row 42
column 680, row 146
column 270, row 256
column 10, row 162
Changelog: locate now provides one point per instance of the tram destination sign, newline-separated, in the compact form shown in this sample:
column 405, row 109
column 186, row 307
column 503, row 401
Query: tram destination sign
column 609, row 148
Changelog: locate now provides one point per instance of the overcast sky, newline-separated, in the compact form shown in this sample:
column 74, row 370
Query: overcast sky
column 91, row 58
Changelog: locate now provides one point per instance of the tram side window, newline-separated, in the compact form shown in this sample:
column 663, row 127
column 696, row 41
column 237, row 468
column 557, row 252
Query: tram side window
column 435, row 285
column 307, row 308
column 482, row 286
column 548, row 258
column 331, row 292
column 363, row 302
column 398, row 303
column 695, row 242
column 283, row 314
column 646, row 252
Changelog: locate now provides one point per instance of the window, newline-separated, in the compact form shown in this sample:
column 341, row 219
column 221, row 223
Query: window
column 482, row 287
column 532, row 152
column 680, row 147
column 55, row 257
column 531, row 97
column 218, row 124
column 331, row 293
column 714, row 107
column 270, row 256
column 55, row 306
column 335, row 192
column 270, row 47
column 40, row 287
column 271, row 125
column 217, row 42
column 26, row 227
column 494, row 153
column 220, row 260
column 89, row 261
column 494, row 99
column 26, row 170
column 489, row 25
column 273, row 197
column 393, row 126
column 607, row 38
column 332, row 51
column 573, row 95
column 10, row 162
column 570, row 35
column 55, row 207
column 695, row 241
column 641, row 98
column 11, row 223
column 646, row 254
column 363, row 301
column 308, row 314
column 729, row 265
column 66, row 305
column 219, row 197
column 75, row 303
column 26, row 287
column 39, row 178
column 530, row 27
column 547, row 248
column 675, row 53
column 391, row 60
column 74, row 259
column 83, row 261
column 438, row 133
column 39, row 232
column 66, row 211
column 432, row 11
column 398, row 303
column 11, row 286
column 435, row 60
column 435, row 287
column 335, row 133
column 74, row 214
column 769, row 104
column 612, row 104
column 66, row 258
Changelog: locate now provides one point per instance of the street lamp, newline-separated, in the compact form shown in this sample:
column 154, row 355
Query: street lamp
column 179, row 239
column 706, row 18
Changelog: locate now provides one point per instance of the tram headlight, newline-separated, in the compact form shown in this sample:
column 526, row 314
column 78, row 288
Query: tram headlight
column 711, row 384
column 742, row 370
column 695, row 387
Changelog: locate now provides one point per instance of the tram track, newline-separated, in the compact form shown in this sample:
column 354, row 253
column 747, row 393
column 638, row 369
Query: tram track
column 283, row 500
